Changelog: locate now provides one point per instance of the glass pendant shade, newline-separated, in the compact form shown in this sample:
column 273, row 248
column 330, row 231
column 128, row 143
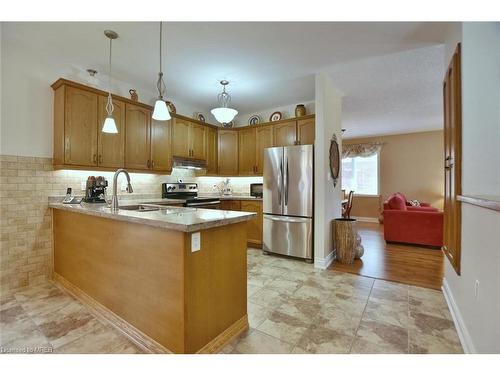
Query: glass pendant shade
column 223, row 114
column 109, row 125
column 160, row 112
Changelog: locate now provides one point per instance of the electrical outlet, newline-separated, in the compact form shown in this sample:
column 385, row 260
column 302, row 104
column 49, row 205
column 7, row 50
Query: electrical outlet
column 195, row 242
column 476, row 289
column 123, row 186
column 83, row 185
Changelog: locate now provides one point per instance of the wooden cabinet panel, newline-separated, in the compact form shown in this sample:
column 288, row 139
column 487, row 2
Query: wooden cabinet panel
column 228, row 152
column 230, row 205
column 246, row 151
column 161, row 136
column 197, row 141
column 211, row 144
column 305, row 132
column 254, row 226
column 285, row 134
column 137, row 137
column 80, row 127
column 111, row 147
column 263, row 139
column 452, row 97
column 180, row 138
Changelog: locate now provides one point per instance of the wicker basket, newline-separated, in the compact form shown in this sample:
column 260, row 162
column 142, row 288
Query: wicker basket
column 346, row 240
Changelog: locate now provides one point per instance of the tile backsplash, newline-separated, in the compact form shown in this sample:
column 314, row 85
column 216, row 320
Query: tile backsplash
column 26, row 253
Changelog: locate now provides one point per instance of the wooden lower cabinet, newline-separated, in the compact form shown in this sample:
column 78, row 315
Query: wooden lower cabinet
column 230, row 205
column 254, row 227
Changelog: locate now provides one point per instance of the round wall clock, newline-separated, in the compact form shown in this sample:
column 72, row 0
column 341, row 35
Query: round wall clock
column 334, row 159
column 276, row 116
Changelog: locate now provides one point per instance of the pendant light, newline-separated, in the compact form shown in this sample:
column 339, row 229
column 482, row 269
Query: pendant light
column 109, row 125
column 160, row 112
column 223, row 114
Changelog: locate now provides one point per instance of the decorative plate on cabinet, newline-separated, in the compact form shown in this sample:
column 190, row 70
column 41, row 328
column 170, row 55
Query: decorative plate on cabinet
column 200, row 117
column 228, row 124
column 171, row 107
column 276, row 116
column 254, row 120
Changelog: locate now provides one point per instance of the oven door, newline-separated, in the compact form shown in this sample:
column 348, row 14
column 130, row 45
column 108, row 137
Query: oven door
column 214, row 205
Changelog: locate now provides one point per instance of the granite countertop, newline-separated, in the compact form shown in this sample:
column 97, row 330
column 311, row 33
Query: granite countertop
column 184, row 219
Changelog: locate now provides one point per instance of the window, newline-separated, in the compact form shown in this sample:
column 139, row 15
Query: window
column 361, row 175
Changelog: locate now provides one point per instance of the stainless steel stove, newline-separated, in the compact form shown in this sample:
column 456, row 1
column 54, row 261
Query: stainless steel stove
column 189, row 193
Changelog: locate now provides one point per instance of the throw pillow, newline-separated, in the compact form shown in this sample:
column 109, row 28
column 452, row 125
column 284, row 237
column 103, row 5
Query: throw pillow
column 396, row 202
column 415, row 203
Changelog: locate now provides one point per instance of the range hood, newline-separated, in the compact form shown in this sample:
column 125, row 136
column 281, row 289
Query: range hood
column 187, row 163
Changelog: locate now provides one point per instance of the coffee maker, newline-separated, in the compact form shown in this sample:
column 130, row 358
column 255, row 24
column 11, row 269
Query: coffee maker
column 95, row 190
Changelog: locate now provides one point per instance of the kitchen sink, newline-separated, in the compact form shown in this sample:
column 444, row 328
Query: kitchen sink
column 139, row 208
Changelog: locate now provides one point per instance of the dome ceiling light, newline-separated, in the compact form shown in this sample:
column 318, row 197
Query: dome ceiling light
column 223, row 114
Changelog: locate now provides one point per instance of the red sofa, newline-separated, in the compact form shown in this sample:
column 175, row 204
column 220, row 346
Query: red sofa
column 408, row 224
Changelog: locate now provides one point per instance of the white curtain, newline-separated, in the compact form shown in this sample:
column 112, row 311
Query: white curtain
column 360, row 149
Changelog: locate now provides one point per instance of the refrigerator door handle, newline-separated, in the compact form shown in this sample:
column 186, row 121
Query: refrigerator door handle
column 288, row 219
column 280, row 183
column 286, row 183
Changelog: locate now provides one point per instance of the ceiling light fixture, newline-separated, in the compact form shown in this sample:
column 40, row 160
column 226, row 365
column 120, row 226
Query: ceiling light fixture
column 160, row 112
column 223, row 114
column 109, row 125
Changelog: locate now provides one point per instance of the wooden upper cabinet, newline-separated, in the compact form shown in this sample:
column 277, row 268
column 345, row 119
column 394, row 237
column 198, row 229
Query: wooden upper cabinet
column 263, row 139
column 197, row 141
column 228, row 152
column 254, row 226
column 137, row 137
column 246, row 151
column 80, row 127
column 180, row 138
column 305, row 132
column 211, row 144
column 285, row 133
column 111, row 147
column 161, row 137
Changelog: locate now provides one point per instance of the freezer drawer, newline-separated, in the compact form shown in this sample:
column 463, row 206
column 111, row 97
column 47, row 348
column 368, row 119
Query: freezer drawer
column 286, row 235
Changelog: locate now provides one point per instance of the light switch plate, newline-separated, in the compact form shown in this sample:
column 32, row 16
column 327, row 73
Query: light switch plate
column 83, row 185
column 195, row 242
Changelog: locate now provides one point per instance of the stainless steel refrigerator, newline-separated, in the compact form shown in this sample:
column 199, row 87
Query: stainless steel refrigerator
column 288, row 201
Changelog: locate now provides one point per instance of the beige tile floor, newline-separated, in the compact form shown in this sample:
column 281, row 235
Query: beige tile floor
column 292, row 308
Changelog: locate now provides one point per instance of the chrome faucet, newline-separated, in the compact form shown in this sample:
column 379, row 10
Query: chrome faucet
column 114, row 200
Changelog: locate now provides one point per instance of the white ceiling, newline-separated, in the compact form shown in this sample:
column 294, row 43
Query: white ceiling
column 390, row 73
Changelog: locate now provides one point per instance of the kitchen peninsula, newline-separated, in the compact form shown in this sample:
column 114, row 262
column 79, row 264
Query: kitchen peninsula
column 173, row 279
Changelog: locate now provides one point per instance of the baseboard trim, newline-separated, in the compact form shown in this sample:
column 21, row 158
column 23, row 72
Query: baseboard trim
column 460, row 326
column 224, row 337
column 366, row 219
column 324, row 263
column 143, row 341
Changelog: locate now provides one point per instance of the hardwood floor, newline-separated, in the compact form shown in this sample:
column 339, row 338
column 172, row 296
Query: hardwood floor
column 406, row 264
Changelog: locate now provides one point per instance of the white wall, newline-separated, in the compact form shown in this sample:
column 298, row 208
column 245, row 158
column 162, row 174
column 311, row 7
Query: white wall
column 478, row 318
column 288, row 111
column 27, row 98
column 327, row 198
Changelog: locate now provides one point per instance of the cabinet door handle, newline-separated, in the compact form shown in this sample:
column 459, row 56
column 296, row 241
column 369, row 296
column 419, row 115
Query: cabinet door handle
column 100, row 159
column 94, row 158
column 149, row 163
column 152, row 163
